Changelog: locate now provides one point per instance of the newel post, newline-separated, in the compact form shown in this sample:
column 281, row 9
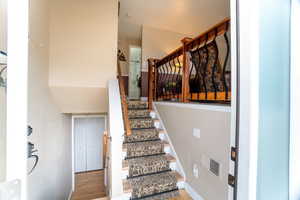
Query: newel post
column 185, row 71
column 151, row 82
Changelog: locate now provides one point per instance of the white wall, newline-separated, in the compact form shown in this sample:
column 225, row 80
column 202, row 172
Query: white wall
column 52, row 178
column 214, row 143
column 83, row 48
column 3, row 47
column 157, row 43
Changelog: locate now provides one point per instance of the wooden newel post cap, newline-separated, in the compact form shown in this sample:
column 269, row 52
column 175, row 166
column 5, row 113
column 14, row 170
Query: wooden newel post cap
column 186, row 40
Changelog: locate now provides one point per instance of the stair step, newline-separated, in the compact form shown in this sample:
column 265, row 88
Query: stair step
column 141, row 149
column 142, row 123
column 138, row 113
column 128, row 188
column 137, row 105
column 142, row 135
column 147, row 165
column 169, row 157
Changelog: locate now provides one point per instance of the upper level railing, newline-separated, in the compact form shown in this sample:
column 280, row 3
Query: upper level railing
column 197, row 71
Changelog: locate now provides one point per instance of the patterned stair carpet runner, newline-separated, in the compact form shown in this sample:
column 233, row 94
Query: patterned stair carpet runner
column 149, row 174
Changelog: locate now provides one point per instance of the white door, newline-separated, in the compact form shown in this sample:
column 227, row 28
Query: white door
column 94, row 140
column 88, row 143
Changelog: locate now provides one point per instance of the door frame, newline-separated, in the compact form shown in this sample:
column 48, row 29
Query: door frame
column 294, row 182
column 17, row 88
column 73, row 137
column 246, row 15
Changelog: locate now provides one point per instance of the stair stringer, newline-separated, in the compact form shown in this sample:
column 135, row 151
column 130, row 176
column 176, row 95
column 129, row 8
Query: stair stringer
column 179, row 167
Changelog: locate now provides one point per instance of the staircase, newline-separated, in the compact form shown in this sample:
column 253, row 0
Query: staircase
column 148, row 167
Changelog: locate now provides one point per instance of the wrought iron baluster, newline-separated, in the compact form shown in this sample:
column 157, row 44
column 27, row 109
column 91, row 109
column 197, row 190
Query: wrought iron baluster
column 206, row 54
column 164, row 81
column 168, row 67
column 198, row 50
column 159, row 82
column 215, row 46
column 172, row 79
column 179, row 76
column 225, row 65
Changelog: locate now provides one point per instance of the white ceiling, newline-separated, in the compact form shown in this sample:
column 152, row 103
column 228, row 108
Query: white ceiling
column 189, row 17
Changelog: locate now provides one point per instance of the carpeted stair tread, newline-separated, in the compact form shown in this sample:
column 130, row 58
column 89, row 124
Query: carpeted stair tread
column 142, row 135
column 153, row 184
column 164, row 196
column 138, row 113
column 148, row 165
column 137, row 104
column 141, row 123
column 143, row 148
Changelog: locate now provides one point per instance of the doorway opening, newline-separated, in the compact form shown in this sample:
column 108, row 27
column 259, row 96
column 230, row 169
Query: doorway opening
column 135, row 53
column 88, row 132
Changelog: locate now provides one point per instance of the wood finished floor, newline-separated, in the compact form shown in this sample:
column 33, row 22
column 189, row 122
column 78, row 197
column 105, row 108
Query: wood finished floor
column 89, row 186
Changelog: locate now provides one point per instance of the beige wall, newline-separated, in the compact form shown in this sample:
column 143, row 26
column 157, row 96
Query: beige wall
column 214, row 143
column 83, row 48
column 157, row 43
column 52, row 178
column 3, row 47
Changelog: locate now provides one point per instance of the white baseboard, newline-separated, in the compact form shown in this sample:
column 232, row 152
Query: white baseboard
column 70, row 194
column 192, row 192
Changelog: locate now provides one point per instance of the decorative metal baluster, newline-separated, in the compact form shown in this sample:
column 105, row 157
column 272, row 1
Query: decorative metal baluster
column 206, row 54
column 225, row 64
column 172, row 78
column 168, row 68
column 164, row 81
column 159, row 82
column 198, row 68
column 214, row 43
column 179, row 81
column 175, row 78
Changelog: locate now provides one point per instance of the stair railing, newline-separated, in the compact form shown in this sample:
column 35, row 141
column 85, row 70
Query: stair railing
column 197, row 71
column 124, row 101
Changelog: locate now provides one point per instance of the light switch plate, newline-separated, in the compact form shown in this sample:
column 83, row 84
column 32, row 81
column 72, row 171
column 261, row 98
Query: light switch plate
column 196, row 132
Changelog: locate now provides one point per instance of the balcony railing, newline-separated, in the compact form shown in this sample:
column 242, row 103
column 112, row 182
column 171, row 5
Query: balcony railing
column 198, row 71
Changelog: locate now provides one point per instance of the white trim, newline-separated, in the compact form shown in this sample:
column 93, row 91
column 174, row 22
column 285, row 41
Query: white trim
column 116, row 132
column 233, row 53
column 248, row 35
column 73, row 149
column 211, row 107
column 17, row 93
column 192, row 192
column 179, row 165
column 295, row 103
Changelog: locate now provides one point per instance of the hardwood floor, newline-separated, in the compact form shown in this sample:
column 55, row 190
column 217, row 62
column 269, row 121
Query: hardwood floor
column 89, row 186
column 183, row 196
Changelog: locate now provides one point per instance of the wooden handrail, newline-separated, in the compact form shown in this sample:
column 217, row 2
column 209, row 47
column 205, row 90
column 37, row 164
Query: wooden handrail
column 216, row 30
column 124, row 106
column 124, row 102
